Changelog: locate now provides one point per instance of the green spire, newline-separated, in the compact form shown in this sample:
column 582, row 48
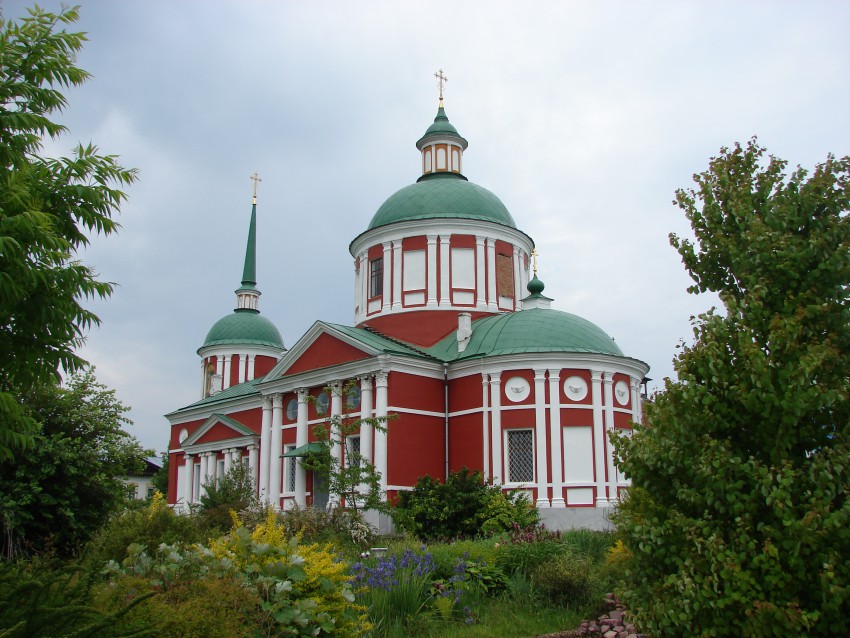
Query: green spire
column 249, row 273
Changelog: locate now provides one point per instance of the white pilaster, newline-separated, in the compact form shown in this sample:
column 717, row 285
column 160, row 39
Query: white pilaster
column 251, row 360
column 366, row 430
column 540, row 439
column 363, row 290
column 335, row 431
column 265, row 449
column 203, row 378
column 518, row 291
column 485, row 425
column 496, row 427
column 228, row 459
column 205, row 461
column 492, row 300
column 227, row 361
column 609, row 427
column 637, row 416
column 301, row 438
column 598, row 438
column 445, row 298
column 555, row 438
column 253, row 462
column 396, row 274
column 189, row 476
column 381, row 403
column 243, row 367
column 432, row 270
column 388, row 265
column 219, row 370
column 480, row 294
column 274, row 456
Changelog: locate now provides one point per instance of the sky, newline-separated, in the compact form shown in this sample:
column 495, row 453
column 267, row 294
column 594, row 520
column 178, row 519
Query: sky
column 583, row 117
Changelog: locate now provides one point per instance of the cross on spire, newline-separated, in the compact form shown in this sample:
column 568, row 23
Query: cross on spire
column 256, row 179
column 441, row 82
column 534, row 254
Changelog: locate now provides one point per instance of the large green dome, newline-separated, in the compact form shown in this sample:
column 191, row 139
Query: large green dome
column 244, row 327
column 534, row 330
column 439, row 196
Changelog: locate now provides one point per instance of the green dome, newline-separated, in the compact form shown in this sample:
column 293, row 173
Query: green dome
column 243, row 327
column 441, row 128
column 535, row 330
column 442, row 196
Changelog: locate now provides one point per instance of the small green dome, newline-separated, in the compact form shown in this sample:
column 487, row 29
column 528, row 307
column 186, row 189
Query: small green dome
column 535, row 330
column 535, row 286
column 441, row 128
column 244, row 327
column 442, row 195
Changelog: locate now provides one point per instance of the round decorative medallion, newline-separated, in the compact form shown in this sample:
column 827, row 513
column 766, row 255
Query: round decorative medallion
column 621, row 392
column 517, row 389
column 575, row 388
column 184, row 434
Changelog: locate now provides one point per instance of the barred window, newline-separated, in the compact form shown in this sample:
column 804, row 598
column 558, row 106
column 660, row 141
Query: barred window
column 290, row 469
column 520, row 456
column 352, row 450
column 376, row 277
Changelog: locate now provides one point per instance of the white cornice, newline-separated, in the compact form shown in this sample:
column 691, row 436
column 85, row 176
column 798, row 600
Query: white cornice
column 601, row 362
column 236, row 404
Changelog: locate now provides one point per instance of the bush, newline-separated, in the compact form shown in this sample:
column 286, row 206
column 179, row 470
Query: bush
column 464, row 506
column 567, row 579
column 233, row 492
column 525, row 549
column 153, row 524
column 345, row 529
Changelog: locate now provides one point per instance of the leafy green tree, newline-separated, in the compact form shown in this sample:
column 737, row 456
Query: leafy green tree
column 47, row 207
column 233, row 492
column 54, row 497
column 738, row 520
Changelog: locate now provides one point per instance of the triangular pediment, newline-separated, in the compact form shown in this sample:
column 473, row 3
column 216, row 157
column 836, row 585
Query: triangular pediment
column 220, row 428
column 322, row 346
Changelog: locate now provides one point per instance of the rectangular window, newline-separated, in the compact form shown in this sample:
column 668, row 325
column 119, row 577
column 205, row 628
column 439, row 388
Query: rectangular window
column 290, row 470
column 220, row 468
column 520, row 456
column 376, row 277
column 504, row 275
column 352, row 450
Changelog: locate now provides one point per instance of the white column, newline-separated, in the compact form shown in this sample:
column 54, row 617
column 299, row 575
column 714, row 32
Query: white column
column 492, row 299
column 445, row 296
column 523, row 273
column 388, row 265
column 202, row 470
column 265, row 449
column 203, row 378
column 363, row 288
column 540, row 439
column 555, row 438
column 598, row 438
column 396, row 274
column 242, row 368
column 219, row 370
column 637, row 416
column 251, row 361
column 366, row 429
column 226, row 381
column 253, row 462
column 519, row 293
column 485, row 425
column 274, row 456
column 381, row 437
column 228, row 459
column 334, row 430
column 432, row 270
column 188, row 476
column 480, row 300
column 609, row 427
column 498, row 474
column 301, row 438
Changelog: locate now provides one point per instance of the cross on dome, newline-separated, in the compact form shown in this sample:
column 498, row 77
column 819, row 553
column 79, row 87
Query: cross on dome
column 441, row 82
column 256, row 179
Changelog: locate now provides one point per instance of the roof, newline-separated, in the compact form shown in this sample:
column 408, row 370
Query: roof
column 377, row 341
column 244, row 327
column 527, row 331
column 244, row 389
column 442, row 195
column 441, row 128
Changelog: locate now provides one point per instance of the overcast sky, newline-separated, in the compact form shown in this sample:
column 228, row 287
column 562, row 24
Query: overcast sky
column 583, row 117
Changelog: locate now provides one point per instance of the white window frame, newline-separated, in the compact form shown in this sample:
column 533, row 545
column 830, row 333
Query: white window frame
column 507, row 458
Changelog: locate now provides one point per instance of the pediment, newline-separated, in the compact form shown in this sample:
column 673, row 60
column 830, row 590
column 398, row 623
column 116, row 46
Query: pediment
column 322, row 346
column 219, row 428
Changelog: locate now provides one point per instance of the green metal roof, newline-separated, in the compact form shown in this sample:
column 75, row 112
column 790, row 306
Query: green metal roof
column 249, row 271
column 442, row 195
column 244, row 327
column 380, row 342
column 535, row 330
column 304, row 450
column 233, row 392
column 441, row 128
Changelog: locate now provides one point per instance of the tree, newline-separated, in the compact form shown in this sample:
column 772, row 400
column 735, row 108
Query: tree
column 47, row 207
column 54, row 497
column 738, row 520
column 233, row 492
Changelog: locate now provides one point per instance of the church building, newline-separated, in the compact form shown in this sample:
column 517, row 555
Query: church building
column 452, row 334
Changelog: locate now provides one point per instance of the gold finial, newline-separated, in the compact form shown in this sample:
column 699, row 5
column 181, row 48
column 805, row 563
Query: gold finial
column 441, row 82
column 256, row 179
column 534, row 254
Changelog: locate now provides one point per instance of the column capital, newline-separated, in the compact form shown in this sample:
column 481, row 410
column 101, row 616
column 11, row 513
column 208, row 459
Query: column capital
column 554, row 374
column 634, row 382
column 609, row 378
column 365, row 381
column 302, row 394
column 277, row 400
column 253, row 446
column 381, row 379
column 267, row 402
column 432, row 239
column 495, row 378
column 596, row 376
column 539, row 374
column 335, row 388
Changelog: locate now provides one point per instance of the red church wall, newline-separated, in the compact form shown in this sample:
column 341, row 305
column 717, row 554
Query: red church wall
column 415, row 392
column 622, row 420
column 419, row 327
column 580, row 416
column 523, row 418
column 252, row 418
column 263, row 365
column 415, row 447
column 465, row 443
column 218, row 432
column 323, row 352
column 190, row 427
column 234, row 369
column 465, row 393
column 172, row 475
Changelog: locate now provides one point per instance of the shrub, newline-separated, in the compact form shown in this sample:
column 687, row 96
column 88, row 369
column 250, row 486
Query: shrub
column 345, row 529
column 567, row 579
column 525, row 549
column 233, row 492
column 464, row 506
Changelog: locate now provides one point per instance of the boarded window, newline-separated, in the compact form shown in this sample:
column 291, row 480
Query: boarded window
column 504, row 275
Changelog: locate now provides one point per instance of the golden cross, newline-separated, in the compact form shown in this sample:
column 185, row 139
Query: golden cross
column 256, row 179
column 441, row 82
column 534, row 254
